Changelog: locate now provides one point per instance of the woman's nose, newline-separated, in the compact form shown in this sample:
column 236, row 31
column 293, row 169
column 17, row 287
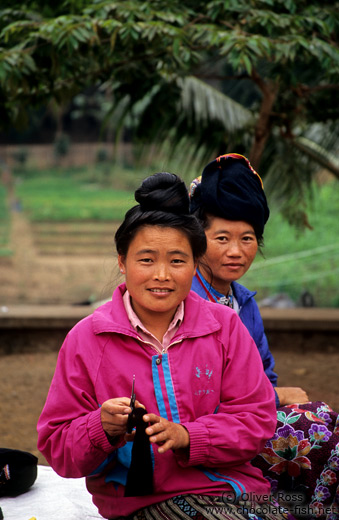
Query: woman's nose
column 161, row 272
column 233, row 248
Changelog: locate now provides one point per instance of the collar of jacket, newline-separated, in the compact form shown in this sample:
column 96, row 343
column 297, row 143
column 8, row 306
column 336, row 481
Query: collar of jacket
column 199, row 318
column 242, row 294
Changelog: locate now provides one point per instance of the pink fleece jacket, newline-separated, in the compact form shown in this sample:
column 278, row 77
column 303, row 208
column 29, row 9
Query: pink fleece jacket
column 210, row 380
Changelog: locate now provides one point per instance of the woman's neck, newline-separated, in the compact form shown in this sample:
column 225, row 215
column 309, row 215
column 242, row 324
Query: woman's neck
column 157, row 326
column 157, row 323
column 219, row 285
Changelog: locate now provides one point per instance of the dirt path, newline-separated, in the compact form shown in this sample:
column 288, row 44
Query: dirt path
column 29, row 277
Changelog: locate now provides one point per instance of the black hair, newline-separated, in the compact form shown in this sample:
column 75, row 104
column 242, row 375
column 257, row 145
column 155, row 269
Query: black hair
column 163, row 201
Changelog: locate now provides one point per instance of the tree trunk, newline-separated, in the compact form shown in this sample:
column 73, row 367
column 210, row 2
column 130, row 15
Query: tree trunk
column 263, row 127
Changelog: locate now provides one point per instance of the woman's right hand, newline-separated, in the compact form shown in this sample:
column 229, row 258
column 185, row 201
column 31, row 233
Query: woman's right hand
column 114, row 415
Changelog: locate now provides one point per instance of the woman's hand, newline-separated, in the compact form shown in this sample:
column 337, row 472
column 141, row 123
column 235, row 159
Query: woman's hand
column 168, row 435
column 291, row 395
column 114, row 415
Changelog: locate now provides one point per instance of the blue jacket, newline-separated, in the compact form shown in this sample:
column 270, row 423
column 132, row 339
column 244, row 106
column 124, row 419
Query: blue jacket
column 250, row 316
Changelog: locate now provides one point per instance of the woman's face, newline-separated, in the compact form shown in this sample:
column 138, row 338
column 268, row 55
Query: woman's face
column 231, row 249
column 159, row 268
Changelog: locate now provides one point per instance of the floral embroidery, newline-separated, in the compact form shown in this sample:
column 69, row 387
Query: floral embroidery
column 314, row 417
column 287, row 451
column 303, row 457
column 325, row 417
column 321, row 415
column 321, row 492
column 334, row 463
column 328, row 477
column 274, row 484
column 317, row 508
column 325, row 408
column 336, row 428
column 319, row 433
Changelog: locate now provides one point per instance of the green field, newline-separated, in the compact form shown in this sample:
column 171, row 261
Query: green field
column 63, row 198
column 309, row 261
column 4, row 224
column 292, row 262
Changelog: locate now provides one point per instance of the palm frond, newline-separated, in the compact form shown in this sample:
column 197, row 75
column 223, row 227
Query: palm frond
column 319, row 154
column 196, row 122
column 203, row 104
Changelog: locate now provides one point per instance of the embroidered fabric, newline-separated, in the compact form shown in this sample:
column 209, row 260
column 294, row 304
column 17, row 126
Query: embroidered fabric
column 227, row 300
column 215, row 296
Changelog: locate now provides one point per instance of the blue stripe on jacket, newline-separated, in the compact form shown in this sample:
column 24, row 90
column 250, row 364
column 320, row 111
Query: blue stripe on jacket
column 250, row 316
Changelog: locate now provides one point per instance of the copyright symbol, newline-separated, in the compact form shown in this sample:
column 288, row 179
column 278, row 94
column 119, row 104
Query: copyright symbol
column 229, row 497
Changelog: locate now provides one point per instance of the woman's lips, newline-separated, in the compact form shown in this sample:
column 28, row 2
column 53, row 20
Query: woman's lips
column 159, row 291
column 233, row 266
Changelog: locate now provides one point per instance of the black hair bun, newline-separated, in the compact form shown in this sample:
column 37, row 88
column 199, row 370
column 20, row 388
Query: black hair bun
column 163, row 192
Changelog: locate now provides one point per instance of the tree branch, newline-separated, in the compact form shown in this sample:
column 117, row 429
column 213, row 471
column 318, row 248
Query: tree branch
column 269, row 90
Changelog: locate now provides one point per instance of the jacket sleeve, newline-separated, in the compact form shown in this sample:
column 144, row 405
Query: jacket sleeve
column 246, row 416
column 70, row 434
column 264, row 350
column 251, row 318
column 268, row 363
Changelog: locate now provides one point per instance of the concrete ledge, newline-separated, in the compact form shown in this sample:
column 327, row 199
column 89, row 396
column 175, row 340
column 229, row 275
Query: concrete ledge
column 306, row 319
column 42, row 316
column 64, row 316
column 43, row 327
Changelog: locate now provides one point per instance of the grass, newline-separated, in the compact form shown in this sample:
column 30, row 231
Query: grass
column 62, row 198
column 296, row 262
column 293, row 262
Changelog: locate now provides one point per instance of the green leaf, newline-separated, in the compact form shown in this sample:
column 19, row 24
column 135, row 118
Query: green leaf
column 248, row 64
column 176, row 47
column 281, row 416
column 291, row 420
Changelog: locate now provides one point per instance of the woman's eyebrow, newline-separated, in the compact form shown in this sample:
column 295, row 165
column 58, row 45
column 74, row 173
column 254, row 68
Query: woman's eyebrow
column 227, row 232
column 154, row 251
column 177, row 252
column 221, row 231
column 145, row 251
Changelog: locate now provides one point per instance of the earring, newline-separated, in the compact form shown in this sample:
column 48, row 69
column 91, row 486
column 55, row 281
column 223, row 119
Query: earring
column 122, row 270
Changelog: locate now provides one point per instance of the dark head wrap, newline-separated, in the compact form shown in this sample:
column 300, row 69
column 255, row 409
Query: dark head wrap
column 231, row 189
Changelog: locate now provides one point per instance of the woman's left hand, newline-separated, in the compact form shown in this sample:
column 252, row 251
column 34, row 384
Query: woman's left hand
column 290, row 395
column 168, row 435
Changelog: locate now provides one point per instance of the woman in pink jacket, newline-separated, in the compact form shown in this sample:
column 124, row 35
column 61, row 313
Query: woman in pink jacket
column 204, row 407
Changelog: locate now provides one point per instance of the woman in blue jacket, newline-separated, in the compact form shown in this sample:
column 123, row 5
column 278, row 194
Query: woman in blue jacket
column 303, row 455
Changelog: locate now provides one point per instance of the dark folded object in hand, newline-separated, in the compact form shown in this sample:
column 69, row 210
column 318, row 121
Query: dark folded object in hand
column 140, row 473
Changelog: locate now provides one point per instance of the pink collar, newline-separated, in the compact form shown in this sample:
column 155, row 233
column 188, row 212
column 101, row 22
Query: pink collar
column 144, row 334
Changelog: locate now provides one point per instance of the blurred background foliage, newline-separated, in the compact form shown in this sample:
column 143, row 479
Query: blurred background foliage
column 292, row 264
column 181, row 82
column 195, row 78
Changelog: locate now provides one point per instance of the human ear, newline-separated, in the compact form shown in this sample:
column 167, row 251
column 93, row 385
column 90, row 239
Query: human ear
column 121, row 264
